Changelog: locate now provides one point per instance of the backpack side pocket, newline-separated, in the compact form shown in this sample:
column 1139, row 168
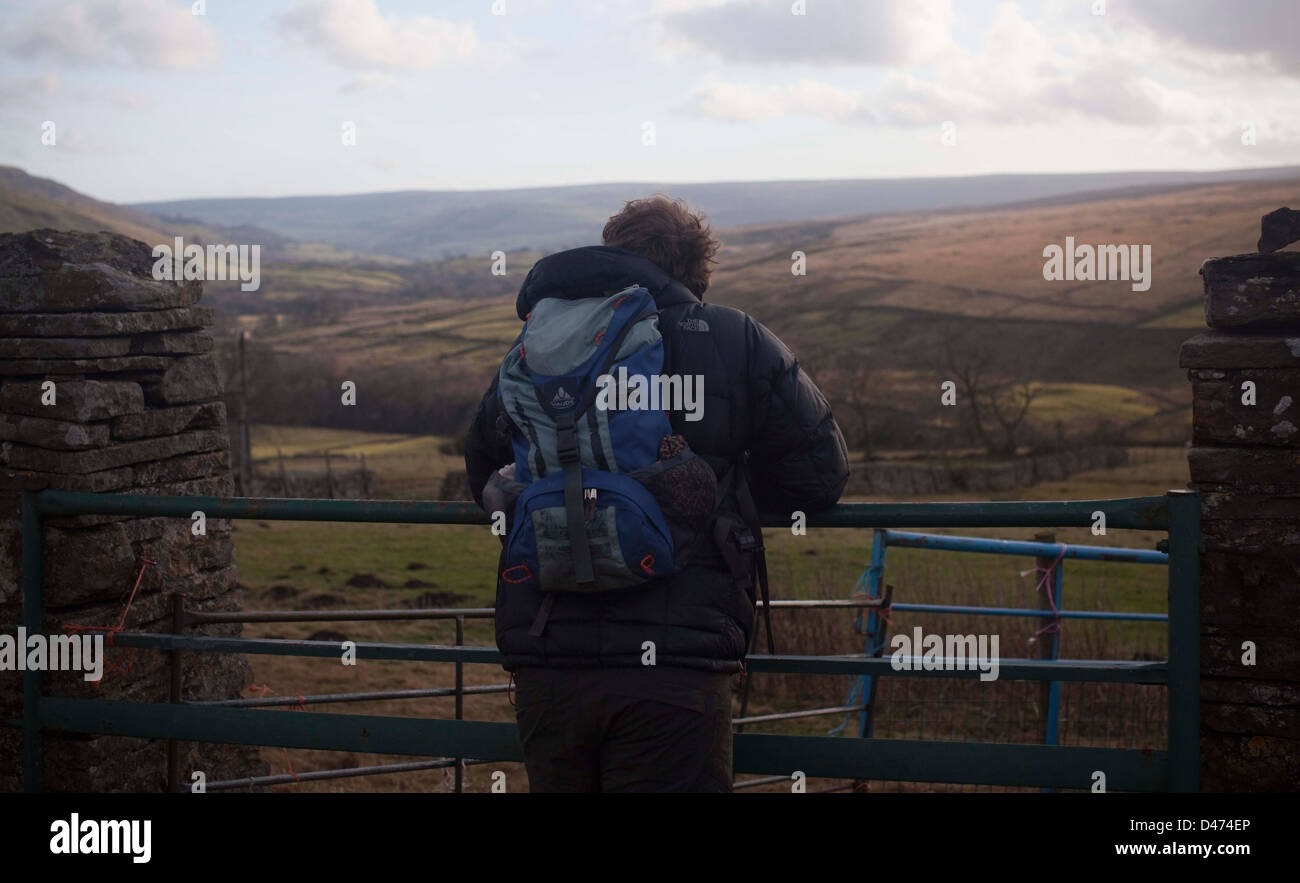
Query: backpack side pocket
column 630, row 542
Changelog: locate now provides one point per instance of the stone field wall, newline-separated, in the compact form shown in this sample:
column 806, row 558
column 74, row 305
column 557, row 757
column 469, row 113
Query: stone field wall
column 136, row 408
column 1245, row 462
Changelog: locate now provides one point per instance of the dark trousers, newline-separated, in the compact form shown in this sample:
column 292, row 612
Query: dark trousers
column 646, row 729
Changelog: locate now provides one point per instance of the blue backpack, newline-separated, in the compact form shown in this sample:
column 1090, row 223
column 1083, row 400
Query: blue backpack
column 601, row 499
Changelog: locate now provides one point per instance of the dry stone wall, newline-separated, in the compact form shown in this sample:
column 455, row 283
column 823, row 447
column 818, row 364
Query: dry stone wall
column 1245, row 462
column 108, row 384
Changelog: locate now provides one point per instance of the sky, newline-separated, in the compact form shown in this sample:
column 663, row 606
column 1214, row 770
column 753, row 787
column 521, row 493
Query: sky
column 157, row 99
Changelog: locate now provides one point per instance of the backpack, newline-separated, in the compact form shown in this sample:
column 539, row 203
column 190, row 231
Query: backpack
column 600, row 498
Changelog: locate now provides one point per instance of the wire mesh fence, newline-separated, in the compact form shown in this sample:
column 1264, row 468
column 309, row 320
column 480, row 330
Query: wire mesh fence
column 961, row 709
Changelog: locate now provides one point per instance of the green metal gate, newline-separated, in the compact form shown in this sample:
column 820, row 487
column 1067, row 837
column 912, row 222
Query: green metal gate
column 976, row 763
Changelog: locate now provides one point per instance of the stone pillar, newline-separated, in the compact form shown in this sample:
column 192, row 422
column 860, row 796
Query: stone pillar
column 136, row 408
column 1245, row 462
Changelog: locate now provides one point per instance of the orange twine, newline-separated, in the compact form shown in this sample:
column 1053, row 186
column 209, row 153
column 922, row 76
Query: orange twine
column 111, row 630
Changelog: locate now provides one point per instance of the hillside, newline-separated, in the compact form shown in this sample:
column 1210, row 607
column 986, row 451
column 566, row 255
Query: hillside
column 871, row 279
column 891, row 302
column 989, row 263
column 30, row 203
column 890, row 305
column 426, row 225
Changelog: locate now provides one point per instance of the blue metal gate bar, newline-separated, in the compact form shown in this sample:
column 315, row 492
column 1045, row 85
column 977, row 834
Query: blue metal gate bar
column 1021, row 547
column 1054, row 691
column 873, row 577
column 1031, row 612
column 760, row 753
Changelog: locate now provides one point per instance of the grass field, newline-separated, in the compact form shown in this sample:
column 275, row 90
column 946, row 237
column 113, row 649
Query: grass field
column 290, row 565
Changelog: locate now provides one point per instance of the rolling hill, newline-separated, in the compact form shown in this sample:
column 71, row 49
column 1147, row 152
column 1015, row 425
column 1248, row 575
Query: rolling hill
column 889, row 291
column 427, row 225
column 28, row 202
column 866, row 276
column 884, row 294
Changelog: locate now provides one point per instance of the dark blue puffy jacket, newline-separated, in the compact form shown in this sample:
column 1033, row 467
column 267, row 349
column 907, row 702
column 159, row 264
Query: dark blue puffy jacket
column 756, row 399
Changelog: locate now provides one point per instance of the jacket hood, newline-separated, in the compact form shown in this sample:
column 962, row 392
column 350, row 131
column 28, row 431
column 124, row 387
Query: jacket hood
column 597, row 271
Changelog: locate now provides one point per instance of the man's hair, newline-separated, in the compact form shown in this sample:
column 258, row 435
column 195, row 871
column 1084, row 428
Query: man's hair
column 666, row 231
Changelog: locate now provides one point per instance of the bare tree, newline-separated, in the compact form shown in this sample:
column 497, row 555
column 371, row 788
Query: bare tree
column 994, row 384
column 846, row 381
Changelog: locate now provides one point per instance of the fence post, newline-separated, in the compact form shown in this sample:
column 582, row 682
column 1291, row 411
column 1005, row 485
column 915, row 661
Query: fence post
column 1050, row 691
column 875, row 643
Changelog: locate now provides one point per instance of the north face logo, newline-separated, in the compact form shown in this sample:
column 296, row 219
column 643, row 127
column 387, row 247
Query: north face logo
column 561, row 400
column 693, row 325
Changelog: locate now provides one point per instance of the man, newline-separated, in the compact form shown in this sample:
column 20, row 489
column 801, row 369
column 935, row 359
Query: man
column 593, row 716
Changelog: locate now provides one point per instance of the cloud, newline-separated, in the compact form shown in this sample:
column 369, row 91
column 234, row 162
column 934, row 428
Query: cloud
column 71, row 139
column 1116, row 92
column 903, row 101
column 355, row 35
column 26, row 90
column 832, row 32
column 1019, row 75
column 740, row 102
column 139, row 33
column 124, row 98
column 1260, row 30
column 40, row 89
column 369, row 80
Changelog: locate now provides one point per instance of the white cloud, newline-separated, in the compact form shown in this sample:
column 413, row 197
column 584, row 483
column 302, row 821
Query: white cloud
column 832, row 32
column 740, row 102
column 354, row 34
column 140, row 33
column 369, row 80
column 1262, row 31
column 124, row 98
column 72, row 139
column 24, row 90
column 1022, row 73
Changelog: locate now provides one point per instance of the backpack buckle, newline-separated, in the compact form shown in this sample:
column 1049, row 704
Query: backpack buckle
column 566, row 445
